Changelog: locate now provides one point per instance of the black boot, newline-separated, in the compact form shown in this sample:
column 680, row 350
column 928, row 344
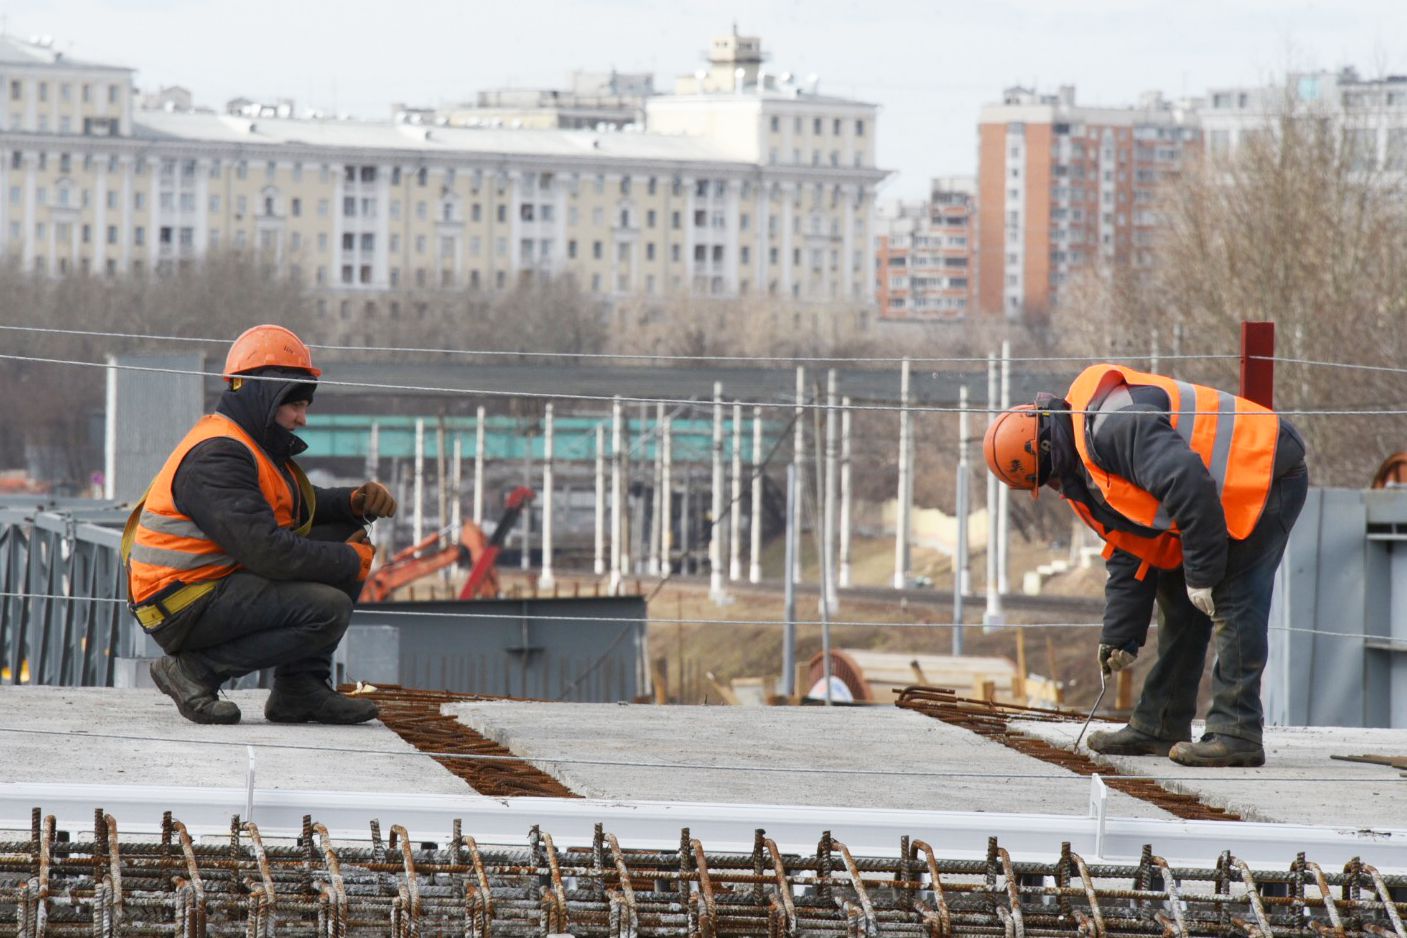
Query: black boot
column 1129, row 742
column 307, row 698
column 1216, row 750
column 195, row 696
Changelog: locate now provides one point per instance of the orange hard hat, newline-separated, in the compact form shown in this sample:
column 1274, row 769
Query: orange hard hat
column 1012, row 448
column 269, row 346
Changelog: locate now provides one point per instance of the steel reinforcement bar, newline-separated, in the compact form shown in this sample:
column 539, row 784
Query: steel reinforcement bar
column 54, row 884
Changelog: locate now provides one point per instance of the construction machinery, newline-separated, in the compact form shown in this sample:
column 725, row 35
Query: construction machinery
column 473, row 549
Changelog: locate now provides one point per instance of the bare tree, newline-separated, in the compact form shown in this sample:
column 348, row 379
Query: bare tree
column 1301, row 225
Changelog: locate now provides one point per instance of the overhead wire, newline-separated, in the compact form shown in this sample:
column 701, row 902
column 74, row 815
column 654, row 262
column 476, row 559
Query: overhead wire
column 624, row 356
column 608, row 398
column 687, row 620
column 766, row 768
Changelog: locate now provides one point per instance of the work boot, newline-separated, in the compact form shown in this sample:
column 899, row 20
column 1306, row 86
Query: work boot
column 306, row 698
column 1129, row 742
column 1216, row 750
column 195, row 697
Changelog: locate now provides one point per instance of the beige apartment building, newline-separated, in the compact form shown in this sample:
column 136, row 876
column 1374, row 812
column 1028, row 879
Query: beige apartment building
column 925, row 265
column 767, row 188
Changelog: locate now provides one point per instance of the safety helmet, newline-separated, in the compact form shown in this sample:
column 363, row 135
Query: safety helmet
column 1012, row 448
column 269, row 346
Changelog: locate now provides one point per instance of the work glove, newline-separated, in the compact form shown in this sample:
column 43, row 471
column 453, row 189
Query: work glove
column 1112, row 658
column 373, row 500
column 365, row 553
column 1201, row 597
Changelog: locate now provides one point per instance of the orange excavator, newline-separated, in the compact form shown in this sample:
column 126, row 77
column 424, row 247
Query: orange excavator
column 481, row 553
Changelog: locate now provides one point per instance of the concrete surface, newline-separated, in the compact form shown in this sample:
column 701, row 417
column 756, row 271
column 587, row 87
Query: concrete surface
column 162, row 748
column 1299, row 783
column 980, row 775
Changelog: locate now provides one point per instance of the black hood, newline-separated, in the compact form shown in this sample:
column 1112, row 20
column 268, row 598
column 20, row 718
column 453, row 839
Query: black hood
column 256, row 402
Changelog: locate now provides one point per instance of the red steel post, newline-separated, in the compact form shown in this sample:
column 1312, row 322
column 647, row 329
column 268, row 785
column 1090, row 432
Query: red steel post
column 1258, row 362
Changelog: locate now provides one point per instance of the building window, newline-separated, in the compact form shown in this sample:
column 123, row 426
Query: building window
column 596, row 250
column 297, row 208
column 346, row 273
column 776, row 124
column 502, row 213
column 571, row 248
column 650, row 251
column 674, row 220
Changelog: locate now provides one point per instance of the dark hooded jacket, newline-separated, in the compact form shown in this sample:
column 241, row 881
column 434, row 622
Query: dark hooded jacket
column 1140, row 444
column 217, row 485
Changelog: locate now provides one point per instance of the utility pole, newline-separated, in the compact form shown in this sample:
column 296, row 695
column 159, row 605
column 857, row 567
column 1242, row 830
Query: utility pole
column 716, row 529
column 666, row 496
column 657, row 501
column 735, row 504
column 789, row 589
column 525, row 555
column 902, row 512
column 418, row 525
column 1003, row 492
column 545, row 580
column 960, row 584
column 600, row 565
column 844, row 492
column 993, row 615
column 617, row 495
column 832, row 484
column 754, row 573
column 441, row 480
column 479, row 468
column 798, row 453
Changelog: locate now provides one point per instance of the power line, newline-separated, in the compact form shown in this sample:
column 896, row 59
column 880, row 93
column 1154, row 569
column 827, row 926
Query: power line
column 624, row 356
column 768, row 768
column 605, row 398
column 851, row 623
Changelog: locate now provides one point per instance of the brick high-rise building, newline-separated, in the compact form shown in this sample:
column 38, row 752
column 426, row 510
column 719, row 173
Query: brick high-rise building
column 1063, row 187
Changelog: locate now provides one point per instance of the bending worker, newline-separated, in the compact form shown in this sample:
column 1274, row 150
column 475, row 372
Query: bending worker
column 1194, row 492
column 237, row 562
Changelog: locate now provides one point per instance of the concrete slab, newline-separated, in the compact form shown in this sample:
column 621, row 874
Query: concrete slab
column 954, row 770
column 161, row 748
column 1299, row 783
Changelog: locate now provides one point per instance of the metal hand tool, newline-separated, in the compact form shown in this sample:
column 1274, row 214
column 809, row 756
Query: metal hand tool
column 1103, row 686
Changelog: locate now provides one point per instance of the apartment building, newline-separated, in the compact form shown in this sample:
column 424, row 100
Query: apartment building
column 1064, row 188
column 1373, row 113
column 924, row 257
column 359, row 208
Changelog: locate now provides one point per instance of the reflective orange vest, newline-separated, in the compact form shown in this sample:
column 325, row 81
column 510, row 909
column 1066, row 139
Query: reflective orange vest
column 1234, row 437
column 169, row 558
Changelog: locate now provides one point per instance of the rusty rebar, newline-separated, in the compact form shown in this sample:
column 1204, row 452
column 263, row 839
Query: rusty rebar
column 55, row 885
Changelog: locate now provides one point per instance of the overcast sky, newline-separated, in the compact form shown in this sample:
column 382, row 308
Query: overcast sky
column 929, row 65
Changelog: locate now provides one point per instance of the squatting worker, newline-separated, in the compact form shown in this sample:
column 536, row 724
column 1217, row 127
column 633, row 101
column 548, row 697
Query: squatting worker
column 235, row 562
column 1194, row 492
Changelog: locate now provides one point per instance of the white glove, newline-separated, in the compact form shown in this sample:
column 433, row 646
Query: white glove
column 1201, row 597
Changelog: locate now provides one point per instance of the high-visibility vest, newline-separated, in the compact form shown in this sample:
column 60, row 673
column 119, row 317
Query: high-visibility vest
column 170, row 561
column 1235, row 438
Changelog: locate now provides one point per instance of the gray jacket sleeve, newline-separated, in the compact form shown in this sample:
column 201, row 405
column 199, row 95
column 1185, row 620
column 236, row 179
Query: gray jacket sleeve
column 1139, row 444
column 217, row 485
column 1128, row 602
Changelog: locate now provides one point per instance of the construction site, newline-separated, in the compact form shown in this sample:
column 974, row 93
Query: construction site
column 646, row 664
